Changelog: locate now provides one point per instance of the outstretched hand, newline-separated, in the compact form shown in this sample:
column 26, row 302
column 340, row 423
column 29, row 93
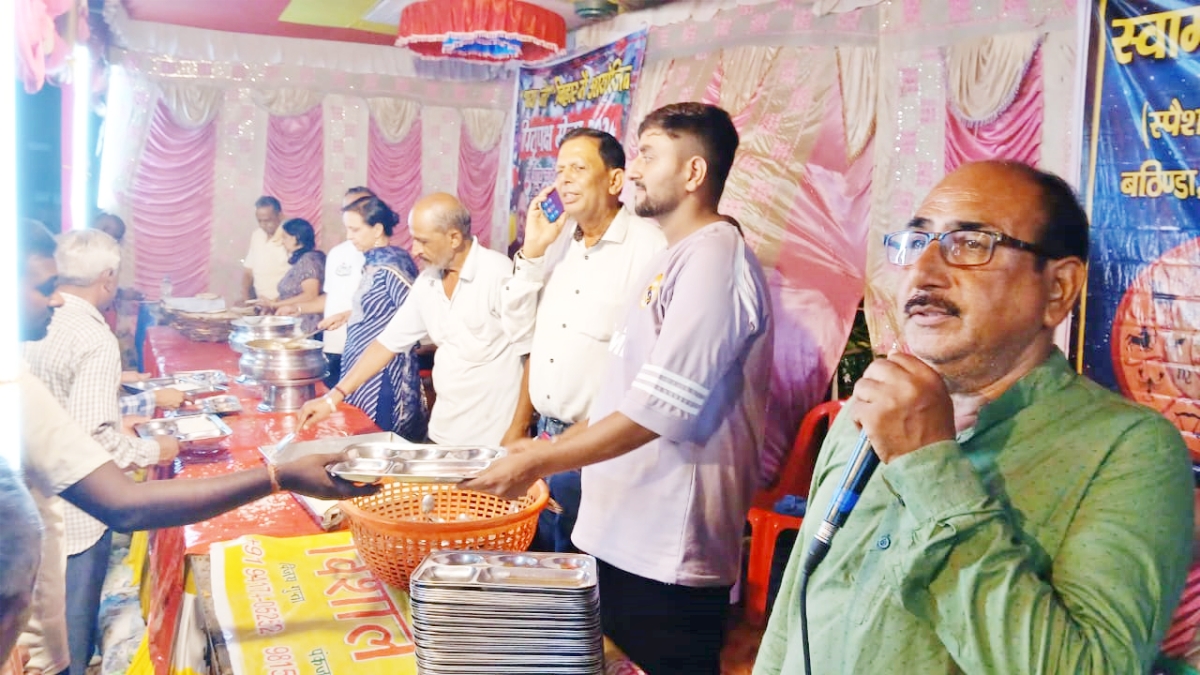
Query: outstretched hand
column 309, row 475
column 510, row 477
column 312, row 412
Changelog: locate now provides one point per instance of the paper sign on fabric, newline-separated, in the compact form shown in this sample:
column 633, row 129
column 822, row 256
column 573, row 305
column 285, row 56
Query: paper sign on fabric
column 1141, row 159
column 591, row 90
column 308, row 606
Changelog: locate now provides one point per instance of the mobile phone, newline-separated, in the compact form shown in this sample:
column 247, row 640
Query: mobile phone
column 552, row 206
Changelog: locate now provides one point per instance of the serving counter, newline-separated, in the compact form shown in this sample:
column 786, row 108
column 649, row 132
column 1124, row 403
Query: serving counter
column 348, row 619
column 280, row 515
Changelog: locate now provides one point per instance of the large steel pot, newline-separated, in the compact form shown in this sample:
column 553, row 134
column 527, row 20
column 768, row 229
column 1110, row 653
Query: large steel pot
column 251, row 328
column 287, row 370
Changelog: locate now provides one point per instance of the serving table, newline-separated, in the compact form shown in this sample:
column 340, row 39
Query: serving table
column 280, row 515
column 183, row 553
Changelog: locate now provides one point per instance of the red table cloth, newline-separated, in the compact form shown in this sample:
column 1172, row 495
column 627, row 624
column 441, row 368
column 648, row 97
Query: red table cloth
column 279, row 515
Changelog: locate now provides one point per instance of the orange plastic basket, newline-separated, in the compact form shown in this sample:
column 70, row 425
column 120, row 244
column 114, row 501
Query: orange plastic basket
column 393, row 536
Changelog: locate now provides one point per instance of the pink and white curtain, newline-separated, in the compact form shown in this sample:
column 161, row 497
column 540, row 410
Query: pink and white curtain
column 1014, row 132
column 394, row 160
column 295, row 164
column 478, row 168
column 171, row 199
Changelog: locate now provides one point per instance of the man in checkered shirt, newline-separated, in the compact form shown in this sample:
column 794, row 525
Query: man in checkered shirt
column 80, row 362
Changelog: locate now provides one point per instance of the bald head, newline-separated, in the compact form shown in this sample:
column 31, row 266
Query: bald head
column 441, row 230
column 1039, row 204
column 443, row 212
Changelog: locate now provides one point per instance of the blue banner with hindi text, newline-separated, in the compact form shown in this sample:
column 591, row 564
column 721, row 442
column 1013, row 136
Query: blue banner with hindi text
column 1141, row 318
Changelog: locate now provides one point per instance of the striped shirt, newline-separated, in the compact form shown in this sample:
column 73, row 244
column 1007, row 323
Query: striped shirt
column 80, row 362
column 691, row 361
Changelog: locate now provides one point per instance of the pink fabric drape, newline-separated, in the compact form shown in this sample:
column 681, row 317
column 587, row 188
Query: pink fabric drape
column 1015, row 134
column 394, row 173
column 171, row 202
column 295, row 169
column 818, row 279
column 477, row 171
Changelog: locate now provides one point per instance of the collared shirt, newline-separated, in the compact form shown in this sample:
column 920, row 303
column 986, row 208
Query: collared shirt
column 56, row 453
column 267, row 261
column 691, row 362
column 79, row 360
column 579, row 294
column 1053, row 537
column 477, row 369
column 343, row 272
column 138, row 405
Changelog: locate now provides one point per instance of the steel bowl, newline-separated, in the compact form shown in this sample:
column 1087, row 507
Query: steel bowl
column 274, row 361
column 252, row 328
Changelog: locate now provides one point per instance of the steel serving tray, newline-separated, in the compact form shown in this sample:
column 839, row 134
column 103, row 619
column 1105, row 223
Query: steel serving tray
column 374, row 462
column 494, row 570
column 205, row 428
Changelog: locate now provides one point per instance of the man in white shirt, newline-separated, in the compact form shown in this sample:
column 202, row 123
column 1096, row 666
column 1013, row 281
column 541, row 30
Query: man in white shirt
column 578, row 271
column 456, row 303
column 671, row 451
column 343, row 272
column 266, row 260
column 80, row 362
column 58, row 458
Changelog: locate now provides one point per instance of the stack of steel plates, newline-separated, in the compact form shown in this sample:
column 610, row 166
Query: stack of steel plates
column 502, row 613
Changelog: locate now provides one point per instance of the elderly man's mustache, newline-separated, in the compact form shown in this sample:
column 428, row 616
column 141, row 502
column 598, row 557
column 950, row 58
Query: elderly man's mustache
column 933, row 301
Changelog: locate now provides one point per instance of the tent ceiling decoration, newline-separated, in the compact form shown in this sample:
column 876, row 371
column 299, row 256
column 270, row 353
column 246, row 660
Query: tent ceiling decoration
column 491, row 31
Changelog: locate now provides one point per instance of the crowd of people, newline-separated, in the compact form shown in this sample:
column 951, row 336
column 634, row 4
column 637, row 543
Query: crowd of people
column 624, row 354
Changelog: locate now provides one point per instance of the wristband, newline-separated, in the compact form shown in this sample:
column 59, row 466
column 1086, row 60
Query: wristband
column 273, row 474
column 332, row 405
column 341, row 391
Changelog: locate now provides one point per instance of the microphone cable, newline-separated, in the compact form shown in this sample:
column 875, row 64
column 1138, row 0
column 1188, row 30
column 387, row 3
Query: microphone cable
column 804, row 622
column 860, row 468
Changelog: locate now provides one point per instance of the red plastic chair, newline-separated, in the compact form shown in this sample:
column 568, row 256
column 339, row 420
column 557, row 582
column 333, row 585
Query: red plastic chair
column 765, row 523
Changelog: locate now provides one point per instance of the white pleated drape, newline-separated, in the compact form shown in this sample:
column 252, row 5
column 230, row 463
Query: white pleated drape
column 394, row 116
column 744, row 70
column 858, row 75
column 484, row 127
column 982, row 76
column 286, row 101
column 192, row 105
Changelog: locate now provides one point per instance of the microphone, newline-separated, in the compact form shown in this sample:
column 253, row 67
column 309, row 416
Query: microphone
column 858, row 471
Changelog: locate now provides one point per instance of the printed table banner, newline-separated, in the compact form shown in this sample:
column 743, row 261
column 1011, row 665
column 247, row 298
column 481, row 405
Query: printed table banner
column 1141, row 156
column 308, row 606
column 593, row 90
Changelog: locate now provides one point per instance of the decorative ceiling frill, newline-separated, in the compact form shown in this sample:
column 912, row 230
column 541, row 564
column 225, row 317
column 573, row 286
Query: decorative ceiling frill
column 487, row 31
column 934, row 24
column 260, row 52
column 495, row 94
column 693, row 27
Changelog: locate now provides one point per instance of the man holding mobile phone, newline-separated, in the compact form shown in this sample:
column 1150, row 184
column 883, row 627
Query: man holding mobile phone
column 580, row 263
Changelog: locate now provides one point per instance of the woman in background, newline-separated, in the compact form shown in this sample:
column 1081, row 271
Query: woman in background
column 393, row 397
column 303, row 280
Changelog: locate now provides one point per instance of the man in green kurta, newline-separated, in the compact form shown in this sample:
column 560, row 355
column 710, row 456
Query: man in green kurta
column 1023, row 519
